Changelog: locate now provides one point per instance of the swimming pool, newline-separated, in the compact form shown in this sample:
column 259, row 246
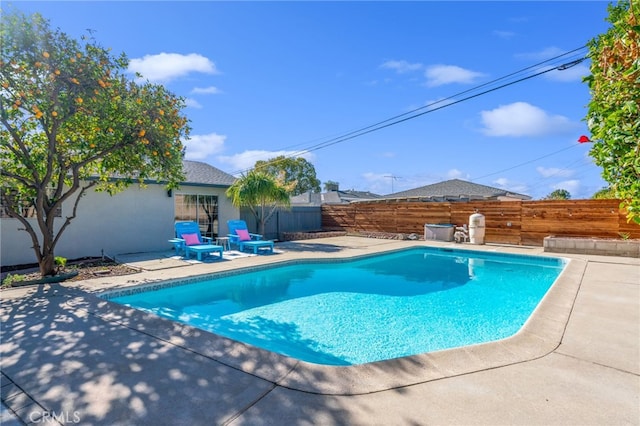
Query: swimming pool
column 359, row 311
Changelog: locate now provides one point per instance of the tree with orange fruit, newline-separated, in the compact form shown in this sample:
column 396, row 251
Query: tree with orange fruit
column 614, row 110
column 72, row 121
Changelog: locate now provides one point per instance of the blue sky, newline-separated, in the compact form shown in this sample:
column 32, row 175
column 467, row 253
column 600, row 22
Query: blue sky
column 290, row 78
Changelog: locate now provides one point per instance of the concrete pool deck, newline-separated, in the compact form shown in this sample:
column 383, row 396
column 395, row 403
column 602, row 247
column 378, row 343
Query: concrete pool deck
column 69, row 357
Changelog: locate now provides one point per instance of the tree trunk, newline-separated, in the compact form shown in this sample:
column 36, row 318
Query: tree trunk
column 48, row 265
column 261, row 231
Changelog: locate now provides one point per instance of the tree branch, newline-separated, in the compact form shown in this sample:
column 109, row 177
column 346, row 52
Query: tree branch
column 9, row 203
column 68, row 219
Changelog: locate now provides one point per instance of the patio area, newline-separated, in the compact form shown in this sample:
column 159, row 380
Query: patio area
column 68, row 356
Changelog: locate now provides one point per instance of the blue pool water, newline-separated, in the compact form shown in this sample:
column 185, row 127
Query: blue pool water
column 376, row 308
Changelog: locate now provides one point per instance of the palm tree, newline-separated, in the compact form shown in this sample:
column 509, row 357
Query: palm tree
column 261, row 193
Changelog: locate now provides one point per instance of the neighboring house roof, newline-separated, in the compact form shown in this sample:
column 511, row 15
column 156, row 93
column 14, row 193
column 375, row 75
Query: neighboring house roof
column 307, row 199
column 332, row 197
column 457, row 190
column 358, row 195
column 198, row 173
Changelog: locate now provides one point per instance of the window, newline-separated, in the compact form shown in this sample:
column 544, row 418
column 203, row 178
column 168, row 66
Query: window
column 198, row 208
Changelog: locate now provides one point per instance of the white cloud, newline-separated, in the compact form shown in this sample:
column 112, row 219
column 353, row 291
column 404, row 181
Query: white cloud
column 190, row 102
column 512, row 186
column 546, row 53
column 439, row 75
column 247, row 159
column 165, row 67
column 376, row 177
column 523, row 119
column 575, row 73
column 199, row 147
column 457, row 174
column 211, row 90
column 401, row 67
column 554, row 172
column 383, row 183
column 572, row 186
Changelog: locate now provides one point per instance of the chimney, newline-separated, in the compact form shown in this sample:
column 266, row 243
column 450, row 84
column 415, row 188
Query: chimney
column 332, row 186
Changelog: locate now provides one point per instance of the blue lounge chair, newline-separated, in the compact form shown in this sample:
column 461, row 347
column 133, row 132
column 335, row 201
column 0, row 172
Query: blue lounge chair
column 240, row 235
column 189, row 239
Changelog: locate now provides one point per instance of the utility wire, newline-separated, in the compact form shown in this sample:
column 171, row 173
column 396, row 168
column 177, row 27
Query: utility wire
column 525, row 163
column 580, row 170
column 563, row 66
column 399, row 120
column 418, row 112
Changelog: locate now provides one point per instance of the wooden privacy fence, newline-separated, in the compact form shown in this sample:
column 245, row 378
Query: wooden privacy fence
column 507, row 222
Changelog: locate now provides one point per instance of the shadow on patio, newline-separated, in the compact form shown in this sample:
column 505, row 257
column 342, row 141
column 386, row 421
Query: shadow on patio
column 66, row 357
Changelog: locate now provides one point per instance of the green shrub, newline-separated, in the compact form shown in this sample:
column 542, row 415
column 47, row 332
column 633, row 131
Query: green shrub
column 10, row 279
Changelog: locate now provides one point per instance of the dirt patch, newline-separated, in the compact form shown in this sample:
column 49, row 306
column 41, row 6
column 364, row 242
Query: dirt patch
column 295, row 236
column 78, row 270
column 100, row 268
column 388, row 235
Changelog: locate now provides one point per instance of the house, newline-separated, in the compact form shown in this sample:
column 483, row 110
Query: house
column 351, row 195
column 139, row 219
column 333, row 196
column 458, row 190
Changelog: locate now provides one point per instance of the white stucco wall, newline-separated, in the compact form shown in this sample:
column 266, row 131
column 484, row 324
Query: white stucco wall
column 135, row 220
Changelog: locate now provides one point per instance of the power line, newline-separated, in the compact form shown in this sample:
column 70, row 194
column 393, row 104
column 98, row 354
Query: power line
column 525, row 163
column 582, row 166
column 548, row 69
column 549, row 65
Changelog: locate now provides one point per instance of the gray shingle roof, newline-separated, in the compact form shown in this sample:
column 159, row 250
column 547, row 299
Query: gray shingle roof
column 333, row 197
column 457, row 189
column 307, row 198
column 352, row 194
column 199, row 173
